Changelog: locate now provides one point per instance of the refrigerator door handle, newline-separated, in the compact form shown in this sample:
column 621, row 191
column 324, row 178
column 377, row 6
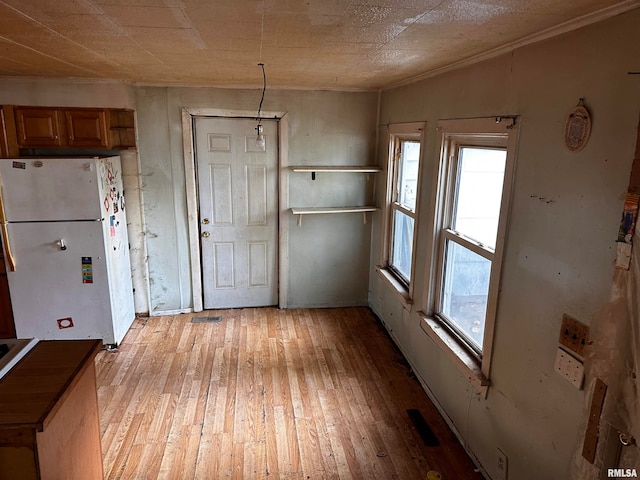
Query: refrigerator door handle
column 5, row 233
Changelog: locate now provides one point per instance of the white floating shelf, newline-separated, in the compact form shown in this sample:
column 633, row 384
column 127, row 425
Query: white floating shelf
column 300, row 211
column 336, row 168
column 313, row 169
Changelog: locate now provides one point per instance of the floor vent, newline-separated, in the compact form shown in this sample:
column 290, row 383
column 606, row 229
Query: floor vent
column 217, row 319
column 420, row 424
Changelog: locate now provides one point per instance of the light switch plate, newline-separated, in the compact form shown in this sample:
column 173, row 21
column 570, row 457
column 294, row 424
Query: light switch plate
column 569, row 368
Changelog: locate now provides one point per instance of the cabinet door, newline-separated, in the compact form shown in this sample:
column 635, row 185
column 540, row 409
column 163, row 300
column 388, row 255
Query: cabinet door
column 4, row 143
column 87, row 127
column 38, row 127
column 122, row 128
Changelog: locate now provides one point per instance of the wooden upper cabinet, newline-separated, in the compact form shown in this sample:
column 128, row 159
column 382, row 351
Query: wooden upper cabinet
column 4, row 143
column 122, row 128
column 38, row 127
column 24, row 127
column 8, row 136
column 87, row 128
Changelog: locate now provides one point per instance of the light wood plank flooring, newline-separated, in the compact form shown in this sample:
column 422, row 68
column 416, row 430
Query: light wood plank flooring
column 267, row 393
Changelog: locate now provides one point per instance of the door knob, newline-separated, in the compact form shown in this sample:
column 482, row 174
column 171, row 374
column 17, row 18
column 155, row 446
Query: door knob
column 206, row 234
column 205, row 221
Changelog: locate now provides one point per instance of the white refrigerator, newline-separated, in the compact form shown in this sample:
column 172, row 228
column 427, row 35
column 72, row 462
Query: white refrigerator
column 66, row 248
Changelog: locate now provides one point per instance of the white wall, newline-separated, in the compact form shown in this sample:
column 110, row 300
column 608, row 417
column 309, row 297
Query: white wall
column 65, row 93
column 560, row 246
column 328, row 255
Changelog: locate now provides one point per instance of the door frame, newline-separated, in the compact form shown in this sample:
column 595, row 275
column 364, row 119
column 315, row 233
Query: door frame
column 190, row 169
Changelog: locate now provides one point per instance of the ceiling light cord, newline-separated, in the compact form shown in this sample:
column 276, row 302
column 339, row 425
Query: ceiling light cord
column 260, row 142
column 261, row 32
column 264, row 88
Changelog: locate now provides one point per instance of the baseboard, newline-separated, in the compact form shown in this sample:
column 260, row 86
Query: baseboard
column 327, row 305
column 160, row 313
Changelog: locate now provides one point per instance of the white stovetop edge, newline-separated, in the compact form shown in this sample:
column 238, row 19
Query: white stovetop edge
column 18, row 348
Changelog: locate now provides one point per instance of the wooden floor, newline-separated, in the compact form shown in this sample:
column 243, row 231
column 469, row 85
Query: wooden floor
column 267, row 393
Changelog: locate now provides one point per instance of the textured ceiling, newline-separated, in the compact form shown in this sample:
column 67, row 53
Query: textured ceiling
column 322, row 44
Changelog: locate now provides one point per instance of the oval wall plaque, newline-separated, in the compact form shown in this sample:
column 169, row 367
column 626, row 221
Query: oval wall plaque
column 577, row 128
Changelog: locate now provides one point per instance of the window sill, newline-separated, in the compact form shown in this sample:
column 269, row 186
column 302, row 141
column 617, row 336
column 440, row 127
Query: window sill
column 396, row 287
column 466, row 363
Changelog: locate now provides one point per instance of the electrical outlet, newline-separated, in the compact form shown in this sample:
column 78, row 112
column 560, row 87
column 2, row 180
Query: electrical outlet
column 503, row 465
column 569, row 368
column 573, row 334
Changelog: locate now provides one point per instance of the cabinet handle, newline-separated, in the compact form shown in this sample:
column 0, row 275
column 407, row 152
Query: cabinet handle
column 5, row 233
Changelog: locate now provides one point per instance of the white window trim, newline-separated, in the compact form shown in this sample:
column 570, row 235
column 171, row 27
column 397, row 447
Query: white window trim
column 416, row 130
column 398, row 288
column 476, row 370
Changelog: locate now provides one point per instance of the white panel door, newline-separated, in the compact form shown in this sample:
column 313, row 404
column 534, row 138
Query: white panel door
column 237, row 191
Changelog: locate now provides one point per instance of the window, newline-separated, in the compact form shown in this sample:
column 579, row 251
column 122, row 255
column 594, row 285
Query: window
column 403, row 206
column 469, row 239
column 473, row 187
column 404, row 161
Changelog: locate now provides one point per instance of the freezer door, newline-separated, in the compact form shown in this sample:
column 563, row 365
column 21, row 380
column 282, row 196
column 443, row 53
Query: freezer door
column 50, row 189
column 59, row 291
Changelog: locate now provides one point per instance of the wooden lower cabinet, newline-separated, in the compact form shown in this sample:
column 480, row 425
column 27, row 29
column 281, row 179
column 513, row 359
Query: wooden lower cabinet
column 49, row 422
column 7, row 326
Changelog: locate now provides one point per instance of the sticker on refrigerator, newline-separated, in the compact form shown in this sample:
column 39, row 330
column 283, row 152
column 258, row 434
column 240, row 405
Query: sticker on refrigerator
column 87, row 270
column 111, row 175
column 112, row 225
column 65, row 323
column 20, row 165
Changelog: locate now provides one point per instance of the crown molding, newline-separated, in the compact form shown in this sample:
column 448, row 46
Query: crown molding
column 545, row 34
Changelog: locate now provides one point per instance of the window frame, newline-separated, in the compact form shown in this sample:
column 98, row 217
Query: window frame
column 397, row 133
column 500, row 132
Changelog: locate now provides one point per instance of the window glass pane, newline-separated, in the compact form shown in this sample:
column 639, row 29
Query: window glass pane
column 408, row 174
column 479, row 193
column 402, row 244
column 465, row 290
